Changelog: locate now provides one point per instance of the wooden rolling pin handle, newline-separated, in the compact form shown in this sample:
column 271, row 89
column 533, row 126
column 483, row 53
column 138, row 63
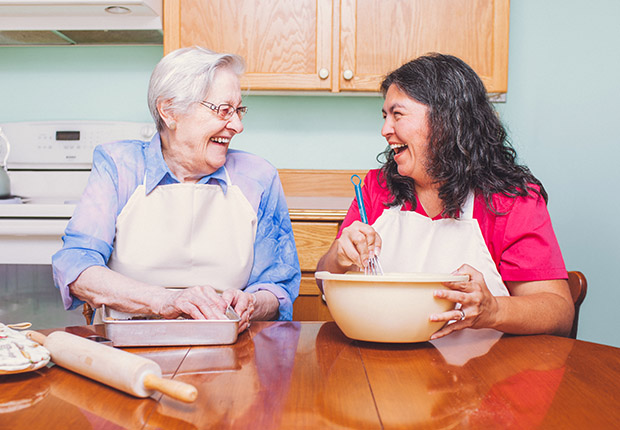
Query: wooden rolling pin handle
column 176, row 389
column 36, row 336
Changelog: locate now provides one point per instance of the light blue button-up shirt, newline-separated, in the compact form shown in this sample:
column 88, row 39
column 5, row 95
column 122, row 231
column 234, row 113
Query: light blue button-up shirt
column 120, row 167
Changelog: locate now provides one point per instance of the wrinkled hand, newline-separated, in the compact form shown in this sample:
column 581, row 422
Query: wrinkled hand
column 357, row 243
column 243, row 303
column 478, row 305
column 197, row 303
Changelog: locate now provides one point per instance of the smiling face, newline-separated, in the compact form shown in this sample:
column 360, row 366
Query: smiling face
column 406, row 130
column 196, row 142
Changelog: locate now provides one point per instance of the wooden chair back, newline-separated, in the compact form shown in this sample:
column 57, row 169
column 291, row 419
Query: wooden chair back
column 578, row 288
column 88, row 313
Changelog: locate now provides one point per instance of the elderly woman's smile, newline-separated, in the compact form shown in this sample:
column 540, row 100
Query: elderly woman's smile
column 225, row 93
column 220, row 140
column 196, row 143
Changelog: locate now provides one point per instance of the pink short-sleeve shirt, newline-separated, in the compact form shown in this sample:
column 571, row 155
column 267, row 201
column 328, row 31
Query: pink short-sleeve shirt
column 521, row 240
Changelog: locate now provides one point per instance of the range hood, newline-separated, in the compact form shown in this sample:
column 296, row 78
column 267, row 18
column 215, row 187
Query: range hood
column 80, row 22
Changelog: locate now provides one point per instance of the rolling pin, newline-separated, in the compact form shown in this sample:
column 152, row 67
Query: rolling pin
column 120, row 369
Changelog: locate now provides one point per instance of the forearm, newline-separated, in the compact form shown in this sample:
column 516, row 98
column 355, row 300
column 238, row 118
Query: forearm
column 534, row 307
column 330, row 263
column 266, row 306
column 99, row 285
column 544, row 312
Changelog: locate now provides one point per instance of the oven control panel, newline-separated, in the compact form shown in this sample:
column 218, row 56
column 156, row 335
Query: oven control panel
column 66, row 144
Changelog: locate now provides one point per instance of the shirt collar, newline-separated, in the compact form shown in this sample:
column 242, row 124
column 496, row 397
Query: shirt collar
column 158, row 172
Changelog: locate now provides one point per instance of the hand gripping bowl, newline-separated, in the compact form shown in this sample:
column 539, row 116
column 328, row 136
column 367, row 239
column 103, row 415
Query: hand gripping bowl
column 394, row 307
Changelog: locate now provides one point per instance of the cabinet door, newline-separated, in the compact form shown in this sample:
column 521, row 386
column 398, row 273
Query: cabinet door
column 287, row 44
column 379, row 36
column 313, row 239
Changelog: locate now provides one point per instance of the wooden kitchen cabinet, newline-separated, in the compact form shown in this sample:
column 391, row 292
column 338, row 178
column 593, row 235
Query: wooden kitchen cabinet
column 346, row 45
column 378, row 36
column 285, row 43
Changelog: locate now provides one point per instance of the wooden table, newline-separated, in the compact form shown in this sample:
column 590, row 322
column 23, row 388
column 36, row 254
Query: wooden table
column 303, row 375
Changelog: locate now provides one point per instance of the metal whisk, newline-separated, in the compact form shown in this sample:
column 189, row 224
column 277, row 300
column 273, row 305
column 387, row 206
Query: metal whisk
column 374, row 266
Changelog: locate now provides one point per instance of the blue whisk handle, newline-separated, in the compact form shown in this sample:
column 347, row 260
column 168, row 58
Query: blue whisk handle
column 360, row 199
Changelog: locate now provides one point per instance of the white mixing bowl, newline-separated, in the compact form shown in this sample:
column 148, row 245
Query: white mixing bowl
column 394, row 307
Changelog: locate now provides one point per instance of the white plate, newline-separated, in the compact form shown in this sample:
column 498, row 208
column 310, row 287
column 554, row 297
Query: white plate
column 30, row 368
column 18, row 354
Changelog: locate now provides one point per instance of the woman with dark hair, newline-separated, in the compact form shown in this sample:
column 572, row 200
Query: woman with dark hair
column 450, row 197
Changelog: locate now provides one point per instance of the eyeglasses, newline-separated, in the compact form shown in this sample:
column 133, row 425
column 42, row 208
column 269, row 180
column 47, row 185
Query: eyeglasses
column 226, row 111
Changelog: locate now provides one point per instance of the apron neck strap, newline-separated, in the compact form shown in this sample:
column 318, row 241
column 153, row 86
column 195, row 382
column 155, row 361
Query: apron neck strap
column 468, row 207
column 228, row 181
column 466, row 213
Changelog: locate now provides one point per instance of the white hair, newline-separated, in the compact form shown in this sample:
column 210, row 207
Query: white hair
column 183, row 77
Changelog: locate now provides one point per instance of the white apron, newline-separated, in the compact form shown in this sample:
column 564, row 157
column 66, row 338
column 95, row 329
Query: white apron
column 415, row 243
column 186, row 235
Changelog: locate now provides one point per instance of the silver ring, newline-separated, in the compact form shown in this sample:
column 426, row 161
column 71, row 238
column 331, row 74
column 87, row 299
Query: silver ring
column 462, row 314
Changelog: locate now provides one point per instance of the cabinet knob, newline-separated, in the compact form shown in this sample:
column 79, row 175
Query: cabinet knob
column 347, row 74
column 323, row 73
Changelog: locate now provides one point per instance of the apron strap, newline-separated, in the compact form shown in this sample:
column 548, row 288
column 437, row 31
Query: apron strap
column 228, row 181
column 466, row 213
column 468, row 207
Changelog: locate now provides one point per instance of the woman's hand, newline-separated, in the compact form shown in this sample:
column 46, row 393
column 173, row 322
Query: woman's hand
column 243, row 303
column 205, row 303
column 478, row 306
column 533, row 307
column 197, row 303
column 356, row 245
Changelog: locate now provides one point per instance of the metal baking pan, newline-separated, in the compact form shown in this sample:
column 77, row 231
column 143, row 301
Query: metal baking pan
column 129, row 330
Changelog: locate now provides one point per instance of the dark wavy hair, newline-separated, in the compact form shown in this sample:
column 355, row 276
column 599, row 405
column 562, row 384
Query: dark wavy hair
column 468, row 146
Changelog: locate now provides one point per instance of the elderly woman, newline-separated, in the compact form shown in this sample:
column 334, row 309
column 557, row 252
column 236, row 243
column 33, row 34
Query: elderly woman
column 183, row 210
column 450, row 197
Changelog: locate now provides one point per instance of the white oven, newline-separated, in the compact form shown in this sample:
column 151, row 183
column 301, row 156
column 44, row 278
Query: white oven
column 48, row 165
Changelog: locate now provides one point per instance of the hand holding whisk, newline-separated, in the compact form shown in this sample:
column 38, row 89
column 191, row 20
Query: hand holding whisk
column 373, row 267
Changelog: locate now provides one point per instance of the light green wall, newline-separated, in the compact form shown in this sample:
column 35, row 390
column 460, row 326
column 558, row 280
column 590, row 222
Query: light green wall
column 562, row 114
column 67, row 83
column 560, row 111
